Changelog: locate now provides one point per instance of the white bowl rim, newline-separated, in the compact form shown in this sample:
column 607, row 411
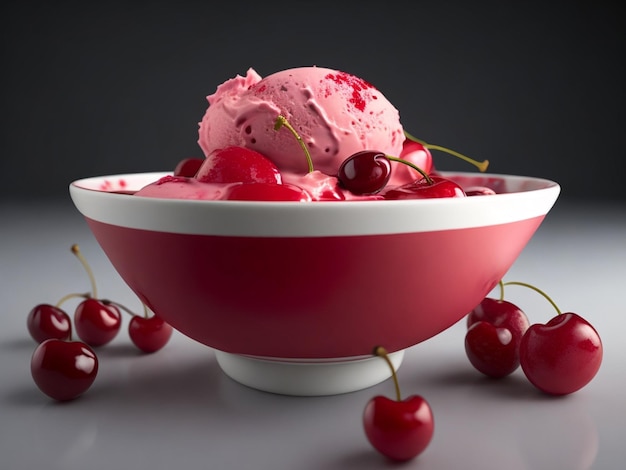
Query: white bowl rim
column 310, row 219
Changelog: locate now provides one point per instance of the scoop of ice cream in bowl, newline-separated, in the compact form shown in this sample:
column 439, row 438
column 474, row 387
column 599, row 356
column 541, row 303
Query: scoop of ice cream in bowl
column 294, row 288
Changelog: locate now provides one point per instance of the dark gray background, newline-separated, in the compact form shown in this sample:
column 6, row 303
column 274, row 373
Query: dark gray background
column 95, row 88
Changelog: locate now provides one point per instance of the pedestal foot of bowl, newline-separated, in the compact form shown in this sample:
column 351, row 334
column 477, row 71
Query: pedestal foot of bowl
column 307, row 377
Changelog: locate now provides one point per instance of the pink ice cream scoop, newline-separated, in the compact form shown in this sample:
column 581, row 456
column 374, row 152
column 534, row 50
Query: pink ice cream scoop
column 335, row 113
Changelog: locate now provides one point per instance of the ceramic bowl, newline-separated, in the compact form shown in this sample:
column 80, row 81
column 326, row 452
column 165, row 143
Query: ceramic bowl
column 312, row 284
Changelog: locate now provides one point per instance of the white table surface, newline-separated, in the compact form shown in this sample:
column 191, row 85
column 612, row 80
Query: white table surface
column 176, row 409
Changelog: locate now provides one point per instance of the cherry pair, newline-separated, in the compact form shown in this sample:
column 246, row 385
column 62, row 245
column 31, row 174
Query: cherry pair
column 369, row 171
column 558, row 357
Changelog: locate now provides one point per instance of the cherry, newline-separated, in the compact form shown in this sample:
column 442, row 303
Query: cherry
column 188, row 167
column 47, row 321
column 149, row 333
column 365, row 172
column 265, row 192
column 237, row 164
column 499, row 312
column 96, row 322
column 433, row 186
column 63, row 370
column 561, row 356
column 495, row 329
column 398, row 429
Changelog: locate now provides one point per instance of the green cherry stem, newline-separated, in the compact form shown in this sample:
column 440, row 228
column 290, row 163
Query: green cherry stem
column 412, row 165
column 76, row 250
column 530, row 286
column 482, row 166
column 382, row 352
column 282, row 121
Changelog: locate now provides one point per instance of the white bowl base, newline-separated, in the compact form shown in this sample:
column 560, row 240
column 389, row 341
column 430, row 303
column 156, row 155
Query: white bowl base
column 307, row 378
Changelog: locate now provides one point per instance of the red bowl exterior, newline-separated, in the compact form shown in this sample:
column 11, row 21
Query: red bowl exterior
column 313, row 297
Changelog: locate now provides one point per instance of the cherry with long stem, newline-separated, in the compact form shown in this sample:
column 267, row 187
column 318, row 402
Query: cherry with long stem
column 47, row 321
column 96, row 322
column 398, row 429
column 562, row 355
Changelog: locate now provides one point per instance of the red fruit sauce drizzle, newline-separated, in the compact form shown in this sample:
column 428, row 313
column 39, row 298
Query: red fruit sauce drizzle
column 357, row 84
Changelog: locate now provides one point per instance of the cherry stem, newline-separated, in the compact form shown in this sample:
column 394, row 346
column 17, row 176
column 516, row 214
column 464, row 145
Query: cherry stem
column 501, row 286
column 282, row 121
column 382, row 352
column 530, row 286
column 412, row 165
column 83, row 261
column 482, row 166
column 67, row 297
column 125, row 308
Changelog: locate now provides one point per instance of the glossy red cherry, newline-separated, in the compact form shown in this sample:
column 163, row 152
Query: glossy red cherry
column 63, row 370
column 237, row 165
column 47, row 321
column 561, row 356
column 433, row 187
column 492, row 350
column 149, row 334
column 365, row 172
column 97, row 322
column 495, row 329
column 265, row 192
column 398, row 429
column 188, row 167
column 500, row 313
